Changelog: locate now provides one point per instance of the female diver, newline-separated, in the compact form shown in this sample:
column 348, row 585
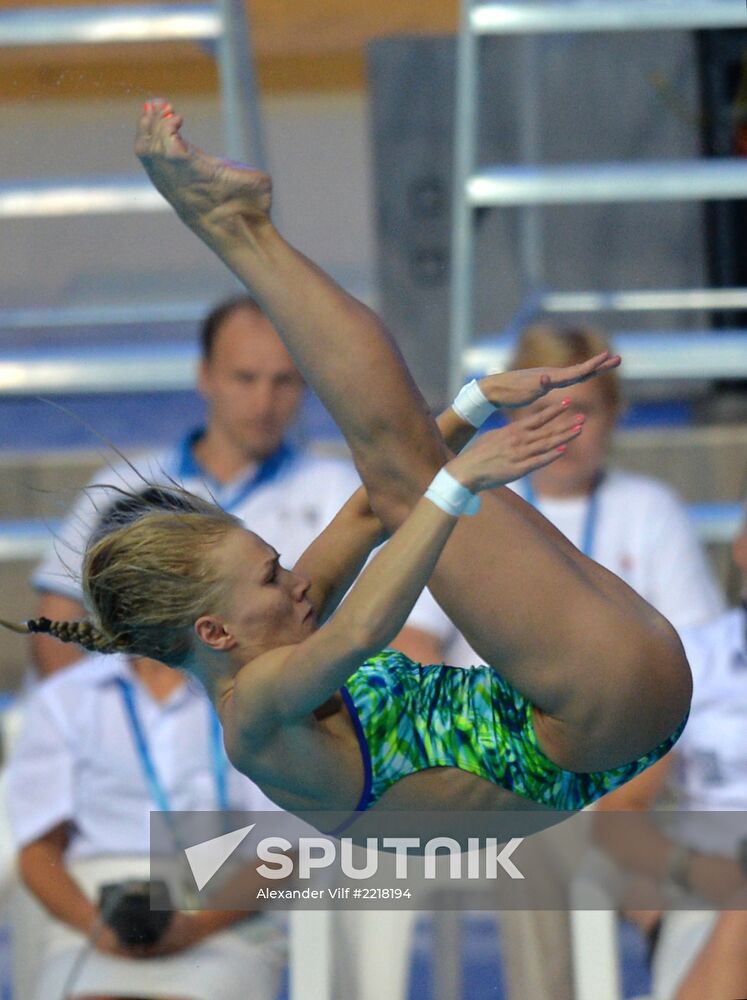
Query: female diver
column 585, row 684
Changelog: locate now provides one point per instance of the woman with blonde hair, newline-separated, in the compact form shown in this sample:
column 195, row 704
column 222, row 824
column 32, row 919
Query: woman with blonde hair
column 586, row 684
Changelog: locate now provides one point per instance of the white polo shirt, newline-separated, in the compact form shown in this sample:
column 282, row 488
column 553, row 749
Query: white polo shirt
column 710, row 759
column 77, row 760
column 287, row 500
column 713, row 747
column 709, row 775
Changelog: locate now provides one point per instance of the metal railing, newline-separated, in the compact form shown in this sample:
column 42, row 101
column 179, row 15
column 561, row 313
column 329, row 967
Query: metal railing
column 529, row 186
column 225, row 27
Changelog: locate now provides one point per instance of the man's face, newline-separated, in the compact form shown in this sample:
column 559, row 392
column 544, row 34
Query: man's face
column 251, row 385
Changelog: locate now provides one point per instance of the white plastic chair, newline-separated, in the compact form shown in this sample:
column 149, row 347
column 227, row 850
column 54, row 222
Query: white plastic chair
column 595, row 936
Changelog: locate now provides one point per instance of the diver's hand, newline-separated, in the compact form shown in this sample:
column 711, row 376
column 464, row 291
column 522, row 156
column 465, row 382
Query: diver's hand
column 524, row 445
column 520, row 388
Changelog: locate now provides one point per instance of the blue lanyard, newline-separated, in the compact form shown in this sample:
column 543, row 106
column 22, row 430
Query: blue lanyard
column 230, row 496
column 157, row 791
column 592, row 514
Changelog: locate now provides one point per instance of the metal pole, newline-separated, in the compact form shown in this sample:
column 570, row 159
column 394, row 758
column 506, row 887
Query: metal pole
column 462, row 232
column 241, row 113
column 530, row 151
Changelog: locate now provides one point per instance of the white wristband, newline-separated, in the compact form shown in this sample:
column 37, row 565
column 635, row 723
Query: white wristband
column 472, row 405
column 445, row 492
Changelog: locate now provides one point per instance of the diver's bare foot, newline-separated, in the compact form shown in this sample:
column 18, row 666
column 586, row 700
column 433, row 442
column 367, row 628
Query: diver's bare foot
column 208, row 193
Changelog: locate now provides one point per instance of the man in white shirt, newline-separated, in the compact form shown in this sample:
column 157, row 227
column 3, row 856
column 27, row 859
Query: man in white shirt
column 103, row 744
column 240, row 459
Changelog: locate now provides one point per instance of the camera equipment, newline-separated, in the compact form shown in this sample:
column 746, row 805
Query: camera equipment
column 139, row 912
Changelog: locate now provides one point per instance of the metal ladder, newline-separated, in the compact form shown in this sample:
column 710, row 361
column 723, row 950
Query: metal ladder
column 127, row 368
column 531, row 187
column 224, row 24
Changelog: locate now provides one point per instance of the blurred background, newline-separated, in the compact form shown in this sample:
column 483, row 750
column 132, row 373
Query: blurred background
column 67, row 112
column 355, row 117
column 351, row 105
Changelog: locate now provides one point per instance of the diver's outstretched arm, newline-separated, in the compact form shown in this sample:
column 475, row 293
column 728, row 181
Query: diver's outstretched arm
column 334, row 559
column 288, row 684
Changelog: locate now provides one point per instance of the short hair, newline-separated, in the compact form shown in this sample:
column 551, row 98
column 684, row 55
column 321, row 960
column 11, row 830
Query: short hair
column 217, row 317
column 544, row 345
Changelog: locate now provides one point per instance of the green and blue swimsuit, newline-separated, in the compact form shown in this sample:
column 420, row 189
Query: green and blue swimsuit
column 410, row 717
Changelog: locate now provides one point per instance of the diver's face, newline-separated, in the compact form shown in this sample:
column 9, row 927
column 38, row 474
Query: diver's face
column 265, row 605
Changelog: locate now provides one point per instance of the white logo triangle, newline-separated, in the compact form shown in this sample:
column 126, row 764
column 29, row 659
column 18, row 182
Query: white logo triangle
column 206, row 858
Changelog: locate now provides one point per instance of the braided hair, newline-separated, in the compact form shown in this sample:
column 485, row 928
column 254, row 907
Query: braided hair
column 148, row 573
column 84, row 633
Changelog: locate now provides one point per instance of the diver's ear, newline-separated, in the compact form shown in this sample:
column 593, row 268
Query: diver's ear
column 212, row 632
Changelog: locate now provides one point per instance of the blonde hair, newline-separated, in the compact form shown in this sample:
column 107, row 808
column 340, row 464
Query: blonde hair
column 146, row 579
column 543, row 345
column 149, row 581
